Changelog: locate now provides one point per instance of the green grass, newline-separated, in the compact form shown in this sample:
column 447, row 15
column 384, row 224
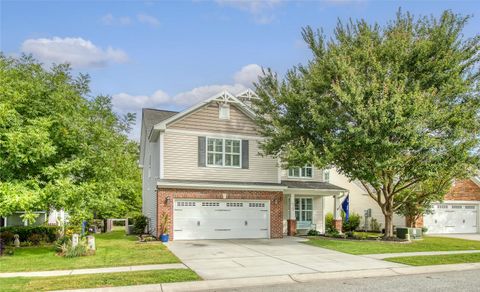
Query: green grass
column 96, row 280
column 113, row 249
column 375, row 247
column 437, row 259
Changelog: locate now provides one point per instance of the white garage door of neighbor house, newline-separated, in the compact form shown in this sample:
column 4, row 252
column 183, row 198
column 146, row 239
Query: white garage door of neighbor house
column 452, row 218
column 215, row 219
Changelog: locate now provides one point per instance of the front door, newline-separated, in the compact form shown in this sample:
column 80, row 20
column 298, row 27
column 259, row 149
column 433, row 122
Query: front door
column 303, row 212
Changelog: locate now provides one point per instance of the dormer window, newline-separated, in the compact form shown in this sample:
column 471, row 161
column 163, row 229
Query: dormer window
column 301, row 172
column 224, row 111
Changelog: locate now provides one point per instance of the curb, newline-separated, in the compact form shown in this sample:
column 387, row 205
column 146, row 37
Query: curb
column 94, row 271
column 285, row 279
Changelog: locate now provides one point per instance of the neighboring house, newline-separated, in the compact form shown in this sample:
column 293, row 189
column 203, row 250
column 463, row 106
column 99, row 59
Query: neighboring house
column 458, row 213
column 53, row 217
column 203, row 168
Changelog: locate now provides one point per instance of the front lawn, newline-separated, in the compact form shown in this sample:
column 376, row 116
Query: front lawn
column 437, row 259
column 428, row 243
column 113, row 249
column 96, row 280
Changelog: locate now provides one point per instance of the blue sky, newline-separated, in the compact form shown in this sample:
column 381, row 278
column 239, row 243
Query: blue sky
column 171, row 54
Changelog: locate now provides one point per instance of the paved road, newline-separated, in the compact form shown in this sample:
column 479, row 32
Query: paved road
column 451, row 281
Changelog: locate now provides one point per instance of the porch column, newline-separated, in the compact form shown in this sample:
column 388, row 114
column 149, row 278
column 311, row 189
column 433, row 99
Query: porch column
column 291, row 222
column 337, row 218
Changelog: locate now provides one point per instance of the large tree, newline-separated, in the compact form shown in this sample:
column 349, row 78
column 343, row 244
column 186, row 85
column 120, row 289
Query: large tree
column 389, row 106
column 60, row 147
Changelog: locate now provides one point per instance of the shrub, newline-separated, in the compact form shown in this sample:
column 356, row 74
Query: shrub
column 424, row 229
column 36, row 239
column 353, row 222
column 313, row 232
column 24, row 232
column 7, row 237
column 62, row 242
column 374, row 225
column 329, row 225
column 140, row 223
column 77, row 251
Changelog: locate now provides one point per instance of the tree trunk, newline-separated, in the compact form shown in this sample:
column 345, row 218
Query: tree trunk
column 388, row 225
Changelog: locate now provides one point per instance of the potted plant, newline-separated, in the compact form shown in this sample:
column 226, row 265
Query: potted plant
column 164, row 227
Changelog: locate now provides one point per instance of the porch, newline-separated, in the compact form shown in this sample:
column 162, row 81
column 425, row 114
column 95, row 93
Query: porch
column 304, row 206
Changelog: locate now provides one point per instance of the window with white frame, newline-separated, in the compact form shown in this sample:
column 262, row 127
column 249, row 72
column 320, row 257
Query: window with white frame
column 303, row 209
column 223, row 152
column 224, row 111
column 301, row 172
column 326, row 175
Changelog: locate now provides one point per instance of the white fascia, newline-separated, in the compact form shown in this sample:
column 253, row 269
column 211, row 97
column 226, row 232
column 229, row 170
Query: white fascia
column 214, row 186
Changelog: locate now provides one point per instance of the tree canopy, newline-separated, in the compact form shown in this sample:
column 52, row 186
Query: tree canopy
column 61, row 147
column 389, row 106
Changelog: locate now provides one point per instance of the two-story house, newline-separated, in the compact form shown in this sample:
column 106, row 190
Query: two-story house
column 203, row 168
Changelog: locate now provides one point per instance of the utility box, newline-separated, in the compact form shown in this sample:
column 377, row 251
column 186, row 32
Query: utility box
column 415, row 233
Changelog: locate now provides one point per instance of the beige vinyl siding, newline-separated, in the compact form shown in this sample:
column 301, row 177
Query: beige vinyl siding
column 317, row 175
column 181, row 162
column 206, row 119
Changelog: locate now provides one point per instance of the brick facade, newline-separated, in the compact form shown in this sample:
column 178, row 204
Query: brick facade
column 275, row 198
column 464, row 190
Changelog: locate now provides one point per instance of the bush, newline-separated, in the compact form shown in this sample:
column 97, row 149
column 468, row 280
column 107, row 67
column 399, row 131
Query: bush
column 49, row 232
column 329, row 225
column 374, row 225
column 36, row 239
column 353, row 222
column 140, row 223
column 77, row 251
column 7, row 237
column 313, row 232
column 424, row 230
column 61, row 242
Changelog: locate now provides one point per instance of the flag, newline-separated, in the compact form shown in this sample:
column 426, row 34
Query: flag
column 346, row 207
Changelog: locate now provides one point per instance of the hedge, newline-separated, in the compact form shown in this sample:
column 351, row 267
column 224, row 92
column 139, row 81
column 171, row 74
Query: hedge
column 24, row 232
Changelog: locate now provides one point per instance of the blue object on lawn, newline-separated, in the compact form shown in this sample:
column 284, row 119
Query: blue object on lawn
column 346, row 207
column 164, row 238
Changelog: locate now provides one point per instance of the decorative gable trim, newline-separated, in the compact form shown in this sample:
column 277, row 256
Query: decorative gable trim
column 222, row 97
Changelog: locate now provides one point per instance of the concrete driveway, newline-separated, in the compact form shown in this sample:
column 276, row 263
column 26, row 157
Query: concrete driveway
column 224, row 259
column 469, row 236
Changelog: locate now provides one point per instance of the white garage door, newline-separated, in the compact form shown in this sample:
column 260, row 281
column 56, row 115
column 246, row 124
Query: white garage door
column 215, row 219
column 452, row 218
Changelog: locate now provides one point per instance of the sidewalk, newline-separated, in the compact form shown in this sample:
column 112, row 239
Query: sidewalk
column 286, row 279
column 94, row 271
column 382, row 256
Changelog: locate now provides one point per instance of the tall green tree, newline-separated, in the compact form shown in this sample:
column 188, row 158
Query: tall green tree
column 61, row 148
column 390, row 106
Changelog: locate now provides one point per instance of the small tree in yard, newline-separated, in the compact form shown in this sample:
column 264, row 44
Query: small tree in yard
column 417, row 201
column 391, row 107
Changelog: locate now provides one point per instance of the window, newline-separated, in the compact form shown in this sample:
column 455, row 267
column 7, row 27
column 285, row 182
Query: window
column 223, row 152
column 326, row 175
column 301, row 172
column 303, row 209
column 224, row 111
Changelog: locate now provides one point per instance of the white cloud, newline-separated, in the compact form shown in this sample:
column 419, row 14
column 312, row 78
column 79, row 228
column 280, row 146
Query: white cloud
column 248, row 74
column 124, row 102
column 109, row 19
column 261, row 10
column 80, row 53
column 148, row 19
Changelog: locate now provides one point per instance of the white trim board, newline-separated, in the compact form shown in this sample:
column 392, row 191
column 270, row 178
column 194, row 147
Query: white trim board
column 216, row 134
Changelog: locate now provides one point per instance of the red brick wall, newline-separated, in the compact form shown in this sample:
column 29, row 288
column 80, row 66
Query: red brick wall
column 464, row 190
column 276, row 209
